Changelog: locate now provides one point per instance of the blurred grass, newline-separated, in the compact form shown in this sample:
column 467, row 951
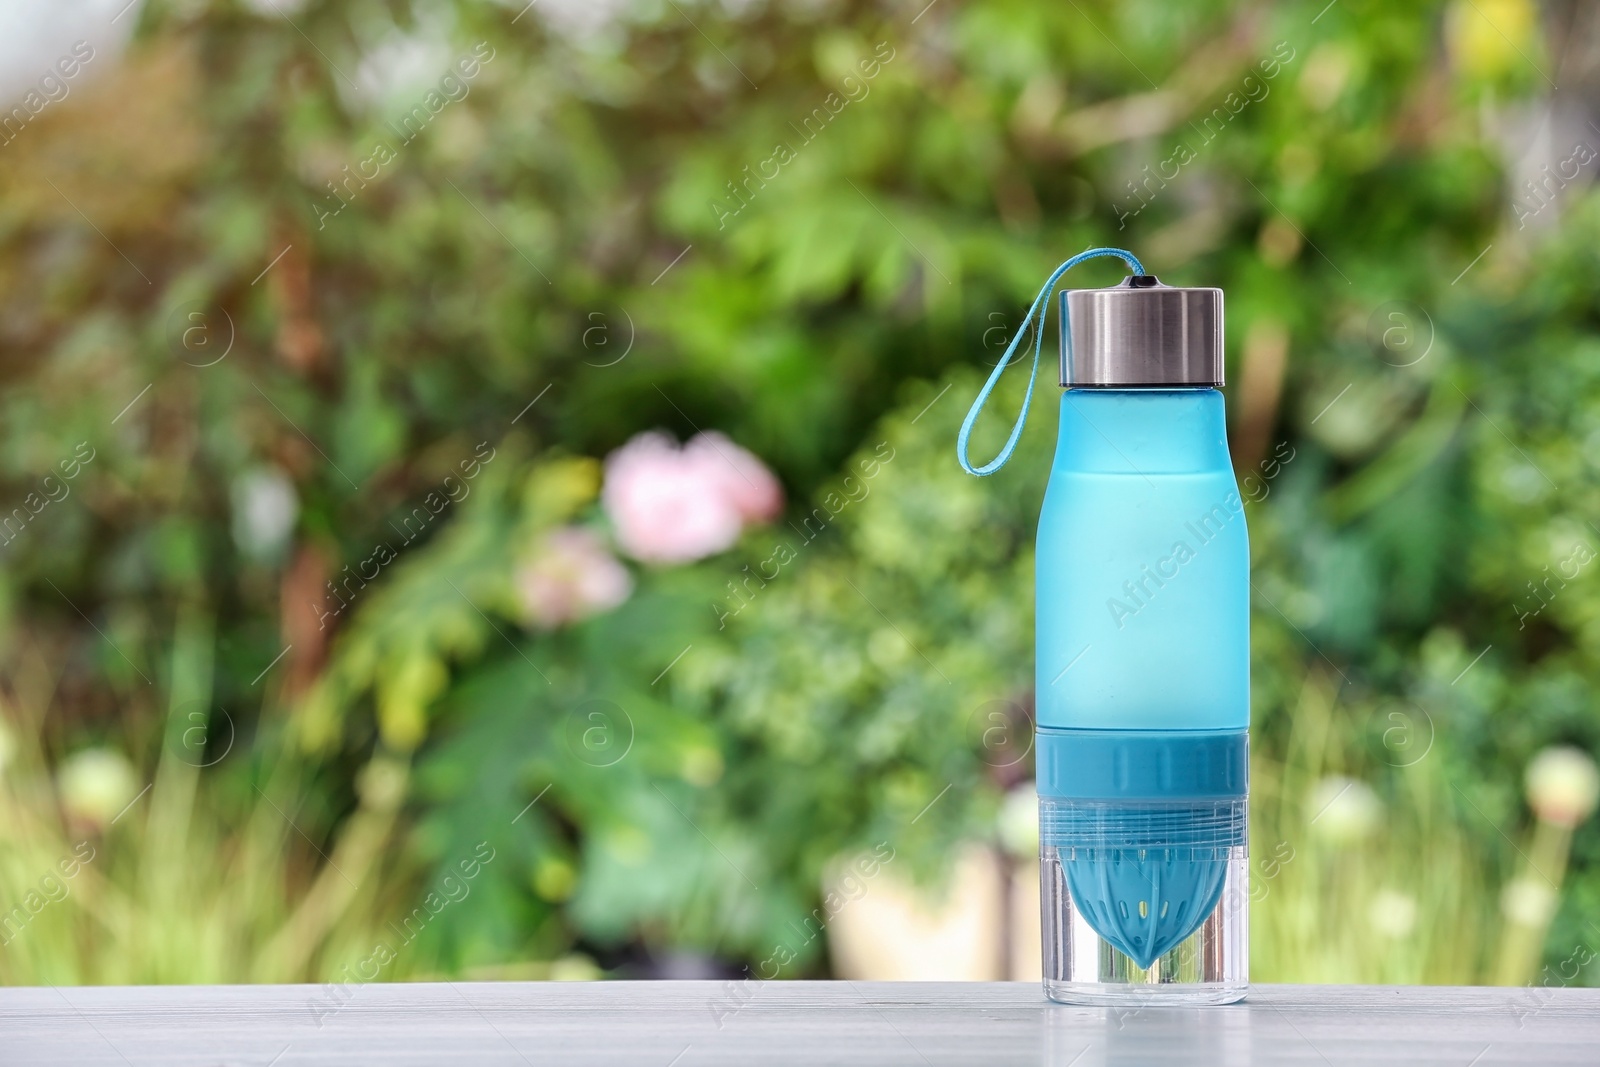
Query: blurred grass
column 1391, row 889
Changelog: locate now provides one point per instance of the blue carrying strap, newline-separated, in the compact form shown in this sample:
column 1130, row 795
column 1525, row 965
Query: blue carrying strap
column 1040, row 302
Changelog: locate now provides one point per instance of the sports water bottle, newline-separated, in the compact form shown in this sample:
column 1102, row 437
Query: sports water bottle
column 1142, row 664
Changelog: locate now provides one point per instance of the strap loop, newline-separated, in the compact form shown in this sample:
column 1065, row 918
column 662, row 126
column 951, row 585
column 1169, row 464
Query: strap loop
column 1041, row 301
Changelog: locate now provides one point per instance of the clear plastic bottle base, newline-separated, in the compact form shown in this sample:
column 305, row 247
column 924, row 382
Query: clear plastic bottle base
column 1133, row 997
column 1142, row 891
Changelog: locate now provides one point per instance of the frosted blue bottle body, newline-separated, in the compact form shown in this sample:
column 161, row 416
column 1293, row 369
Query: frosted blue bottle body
column 1142, row 683
column 1143, row 567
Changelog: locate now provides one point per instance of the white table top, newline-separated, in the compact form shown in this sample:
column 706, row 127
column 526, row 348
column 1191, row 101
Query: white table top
column 684, row 1024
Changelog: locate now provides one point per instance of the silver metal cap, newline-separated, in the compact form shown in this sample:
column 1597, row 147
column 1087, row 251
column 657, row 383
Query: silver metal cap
column 1141, row 334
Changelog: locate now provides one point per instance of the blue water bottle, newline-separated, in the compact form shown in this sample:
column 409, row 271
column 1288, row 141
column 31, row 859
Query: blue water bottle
column 1142, row 666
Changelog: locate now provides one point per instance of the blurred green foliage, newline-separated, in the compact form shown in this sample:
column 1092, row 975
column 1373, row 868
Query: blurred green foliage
column 230, row 263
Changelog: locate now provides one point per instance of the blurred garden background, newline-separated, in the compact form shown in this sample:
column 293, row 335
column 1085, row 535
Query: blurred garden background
column 480, row 495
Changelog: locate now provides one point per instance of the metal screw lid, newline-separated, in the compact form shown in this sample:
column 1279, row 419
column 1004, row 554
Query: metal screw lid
column 1141, row 334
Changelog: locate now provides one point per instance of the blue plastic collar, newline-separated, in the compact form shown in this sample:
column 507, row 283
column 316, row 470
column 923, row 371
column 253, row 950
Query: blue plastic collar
column 1142, row 764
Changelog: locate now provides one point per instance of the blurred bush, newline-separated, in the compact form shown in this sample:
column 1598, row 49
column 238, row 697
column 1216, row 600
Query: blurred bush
column 333, row 312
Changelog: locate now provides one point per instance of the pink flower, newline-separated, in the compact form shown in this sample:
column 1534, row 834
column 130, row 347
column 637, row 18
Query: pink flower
column 672, row 505
column 571, row 577
column 746, row 482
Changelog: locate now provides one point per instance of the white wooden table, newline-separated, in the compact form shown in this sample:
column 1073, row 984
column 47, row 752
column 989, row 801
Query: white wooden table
column 684, row 1024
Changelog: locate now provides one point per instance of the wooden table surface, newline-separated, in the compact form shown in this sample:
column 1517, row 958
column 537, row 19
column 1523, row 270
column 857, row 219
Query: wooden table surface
column 683, row 1024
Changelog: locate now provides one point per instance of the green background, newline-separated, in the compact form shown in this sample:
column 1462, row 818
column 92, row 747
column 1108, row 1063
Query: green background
column 580, row 232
